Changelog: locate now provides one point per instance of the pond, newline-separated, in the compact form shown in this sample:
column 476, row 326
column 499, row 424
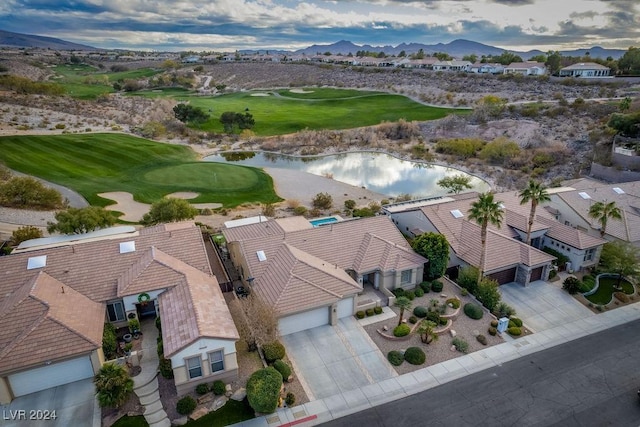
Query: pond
column 377, row 172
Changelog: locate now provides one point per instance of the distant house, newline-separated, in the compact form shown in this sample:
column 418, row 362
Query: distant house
column 57, row 294
column 586, row 70
column 529, row 68
column 314, row 276
column 193, row 59
column 451, row 65
column 486, row 68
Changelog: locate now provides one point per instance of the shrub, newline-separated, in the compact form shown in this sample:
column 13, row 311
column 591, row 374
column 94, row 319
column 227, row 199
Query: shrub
column 410, row 294
column 273, row 351
column 263, row 390
column 419, row 292
column 413, row 320
column 165, row 368
column 494, row 323
column 442, row 321
column 436, row 286
column 474, row 311
column 218, row 388
column 517, row 322
column 487, row 293
column 113, row 385
column 571, row 285
column 492, row 331
column 202, row 389
column 360, row 314
column 504, row 310
column 425, row 286
column 160, row 348
column 290, row 399
column 395, row 358
column 621, row 296
column 401, row 330
column 322, row 201
column 461, row 345
column 300, row 210
column 415, row 356
column 369, row 312
column 398, row 292
column 283, row 368
column 186, row 405
column 482, row 339
column 464, row 292
column 433, row 316
column 455, row 302
column 159, row 325
column 377, row 310
column 515, row 331
column 109, row 341
column 420, row 311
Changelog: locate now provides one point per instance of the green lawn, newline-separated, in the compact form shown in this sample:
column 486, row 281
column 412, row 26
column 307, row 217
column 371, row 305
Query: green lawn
column 605, row 290
column 127, row 421
column 289, row 112
column 97, row 163
column 231, row 413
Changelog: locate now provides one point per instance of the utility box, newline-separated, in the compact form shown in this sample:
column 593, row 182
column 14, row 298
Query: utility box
column 503, row 324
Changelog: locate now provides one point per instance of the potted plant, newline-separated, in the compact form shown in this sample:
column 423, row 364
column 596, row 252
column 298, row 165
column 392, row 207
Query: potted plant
column 134, row 327
column 127, row 349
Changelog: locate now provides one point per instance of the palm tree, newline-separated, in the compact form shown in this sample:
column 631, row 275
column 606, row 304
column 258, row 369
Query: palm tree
column 425, row 329
column 535, row 193
column 485, row 211
column 602, row 211
column 403, row 303
column 113, row 385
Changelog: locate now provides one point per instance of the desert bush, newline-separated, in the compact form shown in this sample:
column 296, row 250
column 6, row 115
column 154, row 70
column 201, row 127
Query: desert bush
column 455, row 302
column 410, row 294
column 283, row 368
column 425, row 286
column 460, row 147
column 499, row 150
column 494, row 323
column 263, row 390
column 461, row 345
column 202, row 389
column 300, row 210
column 322, row 201
column 369, row 312
column 474, row 311
column 413, row 320
column 186, row 405
column 420, row 311
column 398, row 292
column 218, row 388
column 436, row 286
column 401, row 330
column 395, row 357
column 415, row 356
column 492, row 331
column 273, row 351
column 433, row 316
column 360, row 314
column 349, row 204
column 377, row 309
column 165, row 368
column 516, row 321
column 503, row 310
column 290, row 399
column 418, row 292
column 514, row 331
column 482, row 339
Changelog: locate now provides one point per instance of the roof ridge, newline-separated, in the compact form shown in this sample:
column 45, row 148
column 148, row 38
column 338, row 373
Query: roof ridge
column 72, row 329
column 25, row 333
column 20, row 294
column 362, row 249
column 315, row 286
column 135, row 270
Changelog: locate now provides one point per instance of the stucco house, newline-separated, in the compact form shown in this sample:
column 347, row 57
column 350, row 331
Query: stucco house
column 508, row 258
column 571, row 204
column 314, row 276
column 586, row 70
column 486, row 68
column 454, row 65
column 57, row 294
column 528, row 68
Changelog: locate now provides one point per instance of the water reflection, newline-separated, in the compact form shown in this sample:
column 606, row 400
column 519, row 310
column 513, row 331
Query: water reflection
column 377, row 172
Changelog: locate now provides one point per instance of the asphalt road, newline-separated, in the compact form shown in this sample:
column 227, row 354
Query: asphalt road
column 591, row 381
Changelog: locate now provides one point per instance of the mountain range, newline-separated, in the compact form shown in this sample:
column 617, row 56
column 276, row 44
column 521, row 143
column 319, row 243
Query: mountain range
column 457, row 48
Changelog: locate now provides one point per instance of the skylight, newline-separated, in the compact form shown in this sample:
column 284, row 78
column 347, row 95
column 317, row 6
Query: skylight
column 456, row 213
column 584, row 195
column 618, row 190
column 126, row 247
column 36, row 262
column 261, row 256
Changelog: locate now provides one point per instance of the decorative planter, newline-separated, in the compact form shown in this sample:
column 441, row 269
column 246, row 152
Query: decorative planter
column 127, row 337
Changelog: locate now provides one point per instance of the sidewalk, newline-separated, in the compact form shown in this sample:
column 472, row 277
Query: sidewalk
column 343, row 404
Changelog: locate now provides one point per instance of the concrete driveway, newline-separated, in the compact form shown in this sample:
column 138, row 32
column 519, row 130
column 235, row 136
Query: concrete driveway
column 543, row 305
column 74, row 404
column 334, row 359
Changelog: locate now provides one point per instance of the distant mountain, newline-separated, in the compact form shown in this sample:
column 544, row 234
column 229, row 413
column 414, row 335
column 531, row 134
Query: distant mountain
column 9, row 39
column 457, row 48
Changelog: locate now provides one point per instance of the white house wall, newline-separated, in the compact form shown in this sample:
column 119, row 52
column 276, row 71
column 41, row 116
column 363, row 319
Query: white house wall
column 568, row 216
column 130, row 301
column 346, row 307
column 202, row 346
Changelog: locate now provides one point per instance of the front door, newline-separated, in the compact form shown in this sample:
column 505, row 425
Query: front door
column 146, row 309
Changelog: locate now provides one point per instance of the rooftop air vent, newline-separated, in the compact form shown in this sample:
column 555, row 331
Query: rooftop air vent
column 261, row 256
column 126, row 247
column 618, row 190
column 584, row 195
column 36, row 262
column 456, row 213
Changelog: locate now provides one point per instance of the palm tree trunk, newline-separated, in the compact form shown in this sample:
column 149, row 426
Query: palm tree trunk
column 401, row 314
column 532, row 215
column 483, row 239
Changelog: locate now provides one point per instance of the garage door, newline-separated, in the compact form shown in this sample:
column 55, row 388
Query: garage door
column 504, row 276
column 345, row 308
column 536, row 274
column 305, row 320
column 50, row 376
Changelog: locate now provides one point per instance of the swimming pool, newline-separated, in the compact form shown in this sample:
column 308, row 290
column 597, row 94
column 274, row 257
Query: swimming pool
column 322, row 221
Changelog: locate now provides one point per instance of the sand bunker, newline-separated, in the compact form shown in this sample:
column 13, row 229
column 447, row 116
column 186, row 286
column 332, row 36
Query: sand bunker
column 132, row 210
column 183, row 195
column 206, row 205
column 300, row 91
column 260, row 94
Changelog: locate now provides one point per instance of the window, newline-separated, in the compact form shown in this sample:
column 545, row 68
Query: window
column 194, row 367
column 405, row 276
column 588, row 255
column 216, row 358
column 115, row 310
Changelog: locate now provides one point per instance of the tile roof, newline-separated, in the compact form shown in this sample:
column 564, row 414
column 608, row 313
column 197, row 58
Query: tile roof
column 585, row 66
column 316, row 259
column 42, row 313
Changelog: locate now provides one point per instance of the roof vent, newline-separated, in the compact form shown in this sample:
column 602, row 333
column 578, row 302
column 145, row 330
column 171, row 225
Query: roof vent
column 618, row 190
column 261, row 256
column 36, row 262
column 584, row 195
column 456, row 213
column 126, row 247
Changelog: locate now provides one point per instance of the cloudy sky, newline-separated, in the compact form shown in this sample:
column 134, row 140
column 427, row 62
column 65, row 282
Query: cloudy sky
column 291, row 24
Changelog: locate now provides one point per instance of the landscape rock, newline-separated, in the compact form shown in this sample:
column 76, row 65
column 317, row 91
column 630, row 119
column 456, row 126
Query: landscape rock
column 200, row 412
column 453, row 333
column 180, row 421
column 239, row 394
column 202, row 400
column 385, row 328
column 218, row 403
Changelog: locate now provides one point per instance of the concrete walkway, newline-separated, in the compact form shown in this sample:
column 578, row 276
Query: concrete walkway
column 343, row 403
column 146, row 382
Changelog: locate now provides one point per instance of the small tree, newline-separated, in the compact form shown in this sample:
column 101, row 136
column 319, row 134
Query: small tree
column 263, row 390
column 169, row 210
column 25, row 233
column 257, row 321
column 81, row 220
column 602, row 212
column 622, row 258
column 322, row 201
column 113, row 385
column 488, row 293
column 25, row 192
column 425, row 329
column 456, row 183
column 188, row 113
column 269, row 209
column 435, row 248
column 403, row 303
